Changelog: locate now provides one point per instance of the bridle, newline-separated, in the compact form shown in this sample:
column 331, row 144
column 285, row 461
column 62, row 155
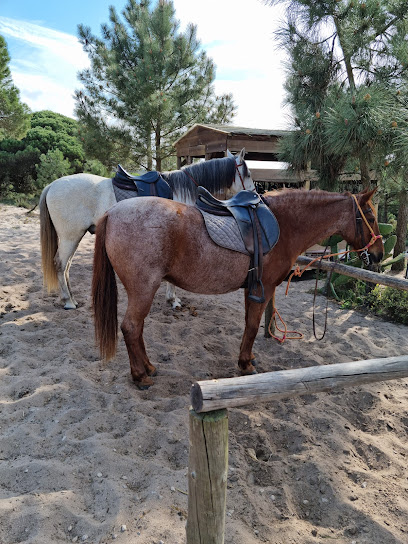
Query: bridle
column 360, row 217
column 236, row 167
column 239, row 173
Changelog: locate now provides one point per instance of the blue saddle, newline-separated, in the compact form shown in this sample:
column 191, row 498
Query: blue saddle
column 149, row 184
column 258, row 227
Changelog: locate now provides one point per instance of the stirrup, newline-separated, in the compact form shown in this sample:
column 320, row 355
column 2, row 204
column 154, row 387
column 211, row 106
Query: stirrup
column 255, row 298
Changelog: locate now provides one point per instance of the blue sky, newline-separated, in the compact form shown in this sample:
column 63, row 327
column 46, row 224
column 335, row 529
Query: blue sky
column 236, row 34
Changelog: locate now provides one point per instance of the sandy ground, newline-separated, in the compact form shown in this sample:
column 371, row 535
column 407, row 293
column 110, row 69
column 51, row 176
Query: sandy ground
column 86, row 457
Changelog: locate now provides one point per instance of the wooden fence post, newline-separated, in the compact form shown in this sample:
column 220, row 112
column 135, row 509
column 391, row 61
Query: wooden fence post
column 207, row 477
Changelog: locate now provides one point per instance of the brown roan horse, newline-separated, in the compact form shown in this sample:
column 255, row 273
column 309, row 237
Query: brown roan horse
column 147, row 240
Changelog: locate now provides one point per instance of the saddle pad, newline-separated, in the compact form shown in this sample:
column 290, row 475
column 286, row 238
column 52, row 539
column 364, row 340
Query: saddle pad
column 123, row 194
column 224, row 231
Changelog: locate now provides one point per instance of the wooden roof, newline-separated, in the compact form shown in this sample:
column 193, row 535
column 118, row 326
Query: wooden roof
column 234, row 131
column 209, row 140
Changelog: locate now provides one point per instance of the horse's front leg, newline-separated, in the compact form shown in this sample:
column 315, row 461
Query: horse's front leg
column 253, row 315
column 171, row 297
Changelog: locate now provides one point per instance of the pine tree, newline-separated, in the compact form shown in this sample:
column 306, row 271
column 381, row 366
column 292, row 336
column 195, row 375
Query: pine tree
column 14, row 115
column 348, row 86
column 348, row 62
column 147, row 83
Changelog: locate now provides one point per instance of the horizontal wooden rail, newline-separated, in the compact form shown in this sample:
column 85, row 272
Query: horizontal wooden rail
column 211, row 395
column 358, row 273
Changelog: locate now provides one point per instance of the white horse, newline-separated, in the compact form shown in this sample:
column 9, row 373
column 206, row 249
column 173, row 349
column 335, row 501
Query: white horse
column 72, row 205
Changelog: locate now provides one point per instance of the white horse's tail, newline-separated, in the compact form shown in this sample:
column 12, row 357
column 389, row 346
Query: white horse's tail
column 49, row 244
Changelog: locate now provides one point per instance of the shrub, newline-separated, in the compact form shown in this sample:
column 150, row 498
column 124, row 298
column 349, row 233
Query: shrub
column 389, row 303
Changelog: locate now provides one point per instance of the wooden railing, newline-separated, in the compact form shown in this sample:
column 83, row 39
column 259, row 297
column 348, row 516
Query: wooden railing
column 208, row 457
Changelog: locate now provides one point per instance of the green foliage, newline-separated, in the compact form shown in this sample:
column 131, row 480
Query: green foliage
column 14, row 115
column 50, row 131
column 93, row 166
column 347, row 85
column 51, row 166
column 386, row 228
column 147, row 83
column 51, row 135
column 389, row 303
column 17, row 171
column 382, row 301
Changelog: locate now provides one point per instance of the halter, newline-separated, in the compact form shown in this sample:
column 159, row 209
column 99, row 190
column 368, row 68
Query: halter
column 360, row 217
column 236, row 166
column 363, row 252
column 239, row 174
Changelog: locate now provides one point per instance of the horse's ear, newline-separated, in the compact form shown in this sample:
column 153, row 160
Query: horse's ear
column 230, row 155
column 242, row 154
column 365, row 197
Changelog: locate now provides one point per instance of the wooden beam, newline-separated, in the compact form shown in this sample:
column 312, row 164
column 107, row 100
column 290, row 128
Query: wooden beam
column 277, row 175
column 252, row 145
column 357, row 273
column 216, row 148
column 229, row 392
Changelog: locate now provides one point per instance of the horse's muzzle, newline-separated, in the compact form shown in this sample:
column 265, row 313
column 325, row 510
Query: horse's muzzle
column 373, row 257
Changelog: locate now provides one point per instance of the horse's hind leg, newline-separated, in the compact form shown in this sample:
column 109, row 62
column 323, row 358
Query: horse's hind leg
column 63, row 258
column 171, row 297
column 132, row 329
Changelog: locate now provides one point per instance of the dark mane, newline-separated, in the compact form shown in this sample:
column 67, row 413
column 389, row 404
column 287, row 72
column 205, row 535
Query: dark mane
column 215, row 175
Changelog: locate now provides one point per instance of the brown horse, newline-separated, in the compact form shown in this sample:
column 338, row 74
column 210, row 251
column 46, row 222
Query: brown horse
column 149, row 239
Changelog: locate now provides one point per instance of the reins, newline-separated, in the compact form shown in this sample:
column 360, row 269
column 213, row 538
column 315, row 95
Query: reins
column 363, row 254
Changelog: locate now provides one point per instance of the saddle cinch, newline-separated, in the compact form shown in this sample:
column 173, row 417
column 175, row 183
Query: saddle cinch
column 149, row 184
column 246, row 219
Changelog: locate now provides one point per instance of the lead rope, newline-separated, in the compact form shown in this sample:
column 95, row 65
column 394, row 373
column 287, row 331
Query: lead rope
column 298, row 272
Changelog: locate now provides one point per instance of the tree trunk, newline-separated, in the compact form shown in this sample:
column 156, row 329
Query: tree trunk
column 365, row 174
column 401, row 233
column 158, row 148
column 149, row 151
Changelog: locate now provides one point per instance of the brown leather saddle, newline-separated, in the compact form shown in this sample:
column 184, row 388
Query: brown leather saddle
column 257, row 226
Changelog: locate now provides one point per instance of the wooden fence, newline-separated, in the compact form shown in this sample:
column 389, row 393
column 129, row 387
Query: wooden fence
column 208, row 457
column 352, row 272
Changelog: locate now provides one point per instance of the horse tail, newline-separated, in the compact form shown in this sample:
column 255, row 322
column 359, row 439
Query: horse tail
column 49, row 244
column 104, row 296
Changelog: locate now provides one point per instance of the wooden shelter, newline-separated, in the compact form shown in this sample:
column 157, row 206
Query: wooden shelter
column 211, row 141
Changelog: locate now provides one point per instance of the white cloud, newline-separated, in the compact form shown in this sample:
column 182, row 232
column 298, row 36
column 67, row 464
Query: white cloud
column 236, row 34
column 44, row 64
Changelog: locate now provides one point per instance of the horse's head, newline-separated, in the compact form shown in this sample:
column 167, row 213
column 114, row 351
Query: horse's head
column 242, row 179
column 366, row 240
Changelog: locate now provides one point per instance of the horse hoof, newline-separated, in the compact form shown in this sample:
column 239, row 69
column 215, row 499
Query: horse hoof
column 249, row 370
column 144, row 383
column 143, row 387
column 69, row 306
